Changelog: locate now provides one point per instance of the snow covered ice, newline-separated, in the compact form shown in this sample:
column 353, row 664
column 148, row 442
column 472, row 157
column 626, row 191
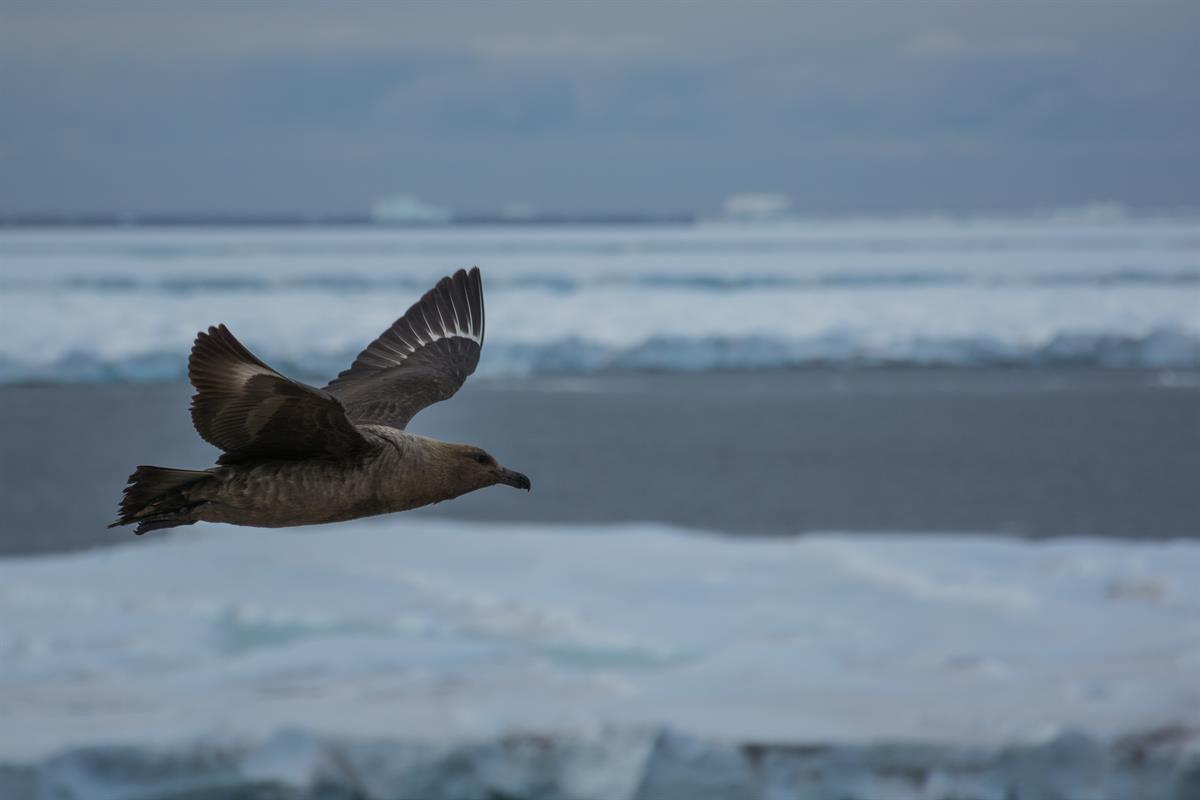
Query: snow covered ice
column 621, row 654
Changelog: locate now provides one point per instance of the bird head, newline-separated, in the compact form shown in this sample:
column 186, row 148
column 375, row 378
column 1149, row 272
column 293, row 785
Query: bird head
column 477, row 468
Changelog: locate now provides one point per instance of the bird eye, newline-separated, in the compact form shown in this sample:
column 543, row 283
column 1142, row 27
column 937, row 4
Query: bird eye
column 483, row 458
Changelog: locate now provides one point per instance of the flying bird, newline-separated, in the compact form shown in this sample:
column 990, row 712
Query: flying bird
column 293, row 454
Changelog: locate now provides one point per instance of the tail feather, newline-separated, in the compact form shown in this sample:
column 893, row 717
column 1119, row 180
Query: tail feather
column 155, row 498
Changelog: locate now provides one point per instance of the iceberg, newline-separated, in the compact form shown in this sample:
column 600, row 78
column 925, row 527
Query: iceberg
column 407, row 209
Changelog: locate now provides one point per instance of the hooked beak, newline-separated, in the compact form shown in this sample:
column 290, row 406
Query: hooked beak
column 514, row 479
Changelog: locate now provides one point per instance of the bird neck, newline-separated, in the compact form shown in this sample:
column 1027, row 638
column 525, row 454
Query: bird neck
column 420, row 471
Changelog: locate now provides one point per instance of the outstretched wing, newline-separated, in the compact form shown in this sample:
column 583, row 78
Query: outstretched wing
column 423, row 358
column 249, row 410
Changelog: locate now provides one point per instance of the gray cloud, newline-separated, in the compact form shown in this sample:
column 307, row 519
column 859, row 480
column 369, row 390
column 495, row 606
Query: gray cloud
column 584, row 107
column 948, row 45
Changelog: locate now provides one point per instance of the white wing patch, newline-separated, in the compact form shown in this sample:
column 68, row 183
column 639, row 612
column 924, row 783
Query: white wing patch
column 451, row 310
column 376, row 388
column 434, row 330
column 243, row 373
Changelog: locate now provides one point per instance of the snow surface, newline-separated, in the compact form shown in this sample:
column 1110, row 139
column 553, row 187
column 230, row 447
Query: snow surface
column 451, row 632
column 99, row 305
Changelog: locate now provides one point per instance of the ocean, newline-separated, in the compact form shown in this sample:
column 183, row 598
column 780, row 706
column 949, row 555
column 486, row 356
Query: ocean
column 1048, row 452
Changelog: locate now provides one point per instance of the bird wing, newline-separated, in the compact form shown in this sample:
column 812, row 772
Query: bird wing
column 422, row 359
column 249, row 410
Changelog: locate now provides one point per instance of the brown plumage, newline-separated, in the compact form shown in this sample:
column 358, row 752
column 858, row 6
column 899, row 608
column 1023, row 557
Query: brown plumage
column 293, row 454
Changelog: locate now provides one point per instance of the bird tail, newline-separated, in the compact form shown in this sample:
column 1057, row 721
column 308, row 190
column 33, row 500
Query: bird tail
column 156, row 498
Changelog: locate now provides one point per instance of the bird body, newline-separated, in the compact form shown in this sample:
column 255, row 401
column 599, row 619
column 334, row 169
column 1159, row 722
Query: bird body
column 297, row 455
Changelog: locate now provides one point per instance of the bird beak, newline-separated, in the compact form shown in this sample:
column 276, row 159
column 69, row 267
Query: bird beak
column 514, row 479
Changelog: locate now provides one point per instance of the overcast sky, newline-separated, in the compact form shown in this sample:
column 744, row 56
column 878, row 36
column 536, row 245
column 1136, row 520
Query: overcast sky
column 598, row 106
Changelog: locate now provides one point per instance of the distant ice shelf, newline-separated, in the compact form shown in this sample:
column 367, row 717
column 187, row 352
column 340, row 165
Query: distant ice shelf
column 125, row 305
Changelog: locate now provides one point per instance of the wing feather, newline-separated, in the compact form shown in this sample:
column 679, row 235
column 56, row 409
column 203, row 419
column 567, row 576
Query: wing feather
column 249, row 410
column 423, row 358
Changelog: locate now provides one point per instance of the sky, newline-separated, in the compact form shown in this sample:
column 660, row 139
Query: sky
column 598, row 107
